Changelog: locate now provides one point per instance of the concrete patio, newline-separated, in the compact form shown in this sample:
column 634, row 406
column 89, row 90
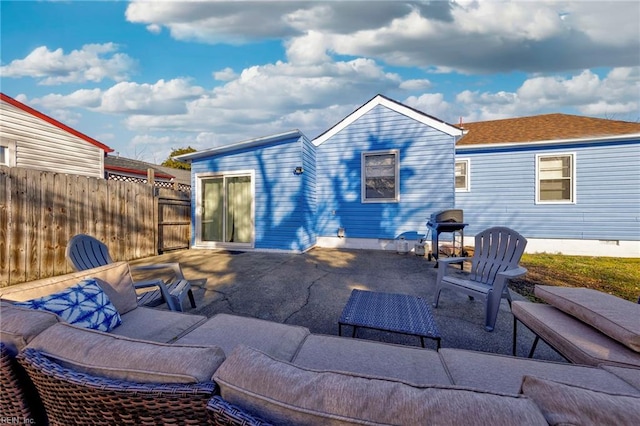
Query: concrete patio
column 311, row 290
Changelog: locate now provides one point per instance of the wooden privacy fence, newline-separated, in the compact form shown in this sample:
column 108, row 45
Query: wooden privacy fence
column 41, row 211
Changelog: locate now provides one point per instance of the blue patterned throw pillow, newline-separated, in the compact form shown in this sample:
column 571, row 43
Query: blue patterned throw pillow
column 84, row 305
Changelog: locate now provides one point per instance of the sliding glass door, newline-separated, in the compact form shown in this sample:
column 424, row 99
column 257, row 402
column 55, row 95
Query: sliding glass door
column 226, row 209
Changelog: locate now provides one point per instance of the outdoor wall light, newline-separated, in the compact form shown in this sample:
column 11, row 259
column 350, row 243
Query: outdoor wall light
column 298, row 170
column 340, row 232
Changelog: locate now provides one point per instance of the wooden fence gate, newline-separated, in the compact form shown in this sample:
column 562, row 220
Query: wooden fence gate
column 174, row 220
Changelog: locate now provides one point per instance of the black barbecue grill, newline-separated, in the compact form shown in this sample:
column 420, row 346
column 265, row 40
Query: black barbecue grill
column 446, row 221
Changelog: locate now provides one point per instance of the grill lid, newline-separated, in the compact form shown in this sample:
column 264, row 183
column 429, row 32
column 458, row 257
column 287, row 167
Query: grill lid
column 447, row 216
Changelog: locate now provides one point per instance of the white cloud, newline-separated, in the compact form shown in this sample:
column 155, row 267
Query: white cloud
column 226, row 74
column 261, row 99
column 465, row 36
column 432, row 104
column 66, row 116
column 414, row 85
column 617, row 93
column 611, row 23
column 154, row 28
column 510, row 20
column 307, row 50
column 162, row 97
column 94, row 62
column 213, row 22
column 83, row 98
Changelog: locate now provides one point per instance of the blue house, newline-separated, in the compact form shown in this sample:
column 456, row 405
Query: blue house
column 256, row 194
column 381, row 172
column 569, row 184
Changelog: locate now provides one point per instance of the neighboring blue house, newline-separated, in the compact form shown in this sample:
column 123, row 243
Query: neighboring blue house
column 569, row 184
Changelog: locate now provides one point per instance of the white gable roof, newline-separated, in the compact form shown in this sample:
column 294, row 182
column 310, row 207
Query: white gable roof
column 395, row 106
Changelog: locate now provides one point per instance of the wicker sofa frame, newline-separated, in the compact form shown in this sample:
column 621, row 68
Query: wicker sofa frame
column 221, row 413
column 19, row 399
column 73, row 398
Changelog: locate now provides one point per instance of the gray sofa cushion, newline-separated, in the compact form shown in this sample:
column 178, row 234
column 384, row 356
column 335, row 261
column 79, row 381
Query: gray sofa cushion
column 615, row 317
column 574, row 339
column 20, row 325
column 562, row 404
column 157, row 325
column 403, row 363
column 115, row 357
column 283, row 393
column 629, row 375
column 228, row 331
column 501, row 373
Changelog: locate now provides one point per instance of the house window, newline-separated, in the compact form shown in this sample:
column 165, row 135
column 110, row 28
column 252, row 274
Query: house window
column 556, row 178
column 6, row 152
column 380, row 177
column 462, row 175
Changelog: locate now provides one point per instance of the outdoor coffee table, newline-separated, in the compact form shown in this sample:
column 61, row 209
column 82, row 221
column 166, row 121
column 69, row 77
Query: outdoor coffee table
column 398, row 313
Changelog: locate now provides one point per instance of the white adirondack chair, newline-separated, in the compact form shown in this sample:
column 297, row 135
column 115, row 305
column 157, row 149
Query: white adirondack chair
column 495, row 261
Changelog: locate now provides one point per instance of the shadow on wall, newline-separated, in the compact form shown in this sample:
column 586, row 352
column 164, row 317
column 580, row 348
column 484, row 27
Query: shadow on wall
column 291, row 230
column 339, row 197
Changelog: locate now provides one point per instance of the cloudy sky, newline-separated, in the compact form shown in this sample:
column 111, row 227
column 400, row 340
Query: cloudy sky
column 147, row 77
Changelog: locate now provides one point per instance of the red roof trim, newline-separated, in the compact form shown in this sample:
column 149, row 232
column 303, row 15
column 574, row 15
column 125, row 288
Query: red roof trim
column 55, row 122
column 136, row 172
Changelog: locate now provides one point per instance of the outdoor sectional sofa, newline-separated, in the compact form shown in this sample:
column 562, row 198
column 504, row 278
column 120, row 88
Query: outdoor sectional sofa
column 163, row 367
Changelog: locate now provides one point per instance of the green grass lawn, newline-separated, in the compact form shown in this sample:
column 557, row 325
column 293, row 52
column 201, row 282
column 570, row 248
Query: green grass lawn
column 617, row 276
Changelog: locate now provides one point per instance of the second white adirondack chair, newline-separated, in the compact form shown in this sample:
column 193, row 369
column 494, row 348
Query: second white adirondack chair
column 495, row 261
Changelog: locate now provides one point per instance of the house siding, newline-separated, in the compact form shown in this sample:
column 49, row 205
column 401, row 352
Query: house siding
column 607, row 195
column 426, row 158
column 43, row 146
column 284, row 202
column 307, row 233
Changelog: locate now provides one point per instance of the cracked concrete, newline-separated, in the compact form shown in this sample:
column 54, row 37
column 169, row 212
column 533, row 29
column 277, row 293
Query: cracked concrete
column 311, row 289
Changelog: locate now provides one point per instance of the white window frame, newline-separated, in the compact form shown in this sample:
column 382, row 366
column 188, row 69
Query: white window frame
column 573, row 177
column 9, row 152
column 363, row 177
column 199, row 243
column 467, row 180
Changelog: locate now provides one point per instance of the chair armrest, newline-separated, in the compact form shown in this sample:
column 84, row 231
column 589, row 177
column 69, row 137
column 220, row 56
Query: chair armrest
column 177, row 270
column 443, row 266
column 149, row 283
column 163, row 290
column 448, row 260
column 513, row 273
